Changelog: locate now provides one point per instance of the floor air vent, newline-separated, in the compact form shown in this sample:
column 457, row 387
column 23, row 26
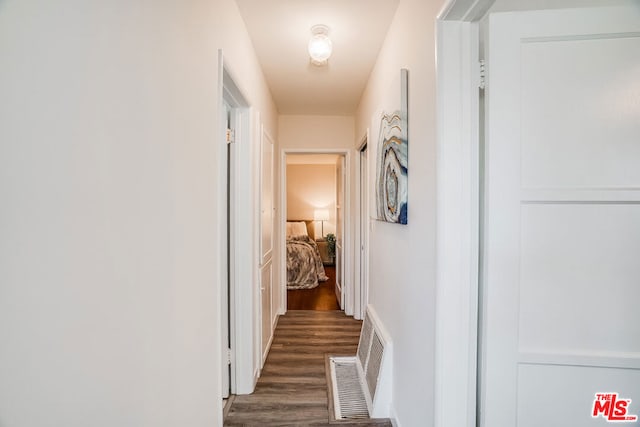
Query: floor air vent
column 349, row 400
column 361, row 384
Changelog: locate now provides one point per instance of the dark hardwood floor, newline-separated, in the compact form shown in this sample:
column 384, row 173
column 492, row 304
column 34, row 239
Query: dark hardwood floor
column 322, row 297
column 292, row 390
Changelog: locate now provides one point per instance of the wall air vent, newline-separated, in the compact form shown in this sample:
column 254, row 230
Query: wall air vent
column 361, row 384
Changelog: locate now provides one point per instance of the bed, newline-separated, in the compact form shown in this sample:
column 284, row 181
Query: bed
column 304, row 265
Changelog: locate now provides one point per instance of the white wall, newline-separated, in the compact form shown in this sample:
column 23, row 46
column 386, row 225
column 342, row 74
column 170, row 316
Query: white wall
column 108, row 299
column 402, row 279
column 311, row 187
column 513, row 5
column 319, row 132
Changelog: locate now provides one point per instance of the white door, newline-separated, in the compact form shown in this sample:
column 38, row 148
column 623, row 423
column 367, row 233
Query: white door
column 268, row 309
column 364, row 230
column 227, row 258
column 339, row 288
column 561, row 283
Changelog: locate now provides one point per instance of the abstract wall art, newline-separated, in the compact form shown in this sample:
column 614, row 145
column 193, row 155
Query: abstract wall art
column 391, row 124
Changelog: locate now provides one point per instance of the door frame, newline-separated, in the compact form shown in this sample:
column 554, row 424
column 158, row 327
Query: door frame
column 361, row 277
column 348, row 261
column 242, row 289
column 228, row 367
column 458, row 211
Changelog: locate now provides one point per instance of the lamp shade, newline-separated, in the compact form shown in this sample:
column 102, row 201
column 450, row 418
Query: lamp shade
column 321, row 215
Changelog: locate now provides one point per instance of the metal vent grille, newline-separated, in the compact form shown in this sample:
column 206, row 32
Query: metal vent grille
column 365, row 340
column 349, row 400
column 355, row 379
column 373, row 365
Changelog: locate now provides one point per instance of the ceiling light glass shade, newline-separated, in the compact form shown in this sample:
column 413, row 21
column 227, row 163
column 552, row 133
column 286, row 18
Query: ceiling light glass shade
column 320, row 45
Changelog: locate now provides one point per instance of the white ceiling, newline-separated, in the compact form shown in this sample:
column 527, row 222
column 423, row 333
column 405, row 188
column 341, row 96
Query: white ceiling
column 280, row 31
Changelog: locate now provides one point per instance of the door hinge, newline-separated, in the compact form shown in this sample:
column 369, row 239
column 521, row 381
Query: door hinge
column 228, row 356
column 231, row 136
column 482, row 81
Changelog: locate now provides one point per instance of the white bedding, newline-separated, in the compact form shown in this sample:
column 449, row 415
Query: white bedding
column 296, row 228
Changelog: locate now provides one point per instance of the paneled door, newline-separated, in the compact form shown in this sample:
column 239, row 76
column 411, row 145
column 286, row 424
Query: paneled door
column 268, row 309
column 560, row 292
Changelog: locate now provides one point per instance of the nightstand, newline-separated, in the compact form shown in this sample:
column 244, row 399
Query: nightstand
column 324, row 251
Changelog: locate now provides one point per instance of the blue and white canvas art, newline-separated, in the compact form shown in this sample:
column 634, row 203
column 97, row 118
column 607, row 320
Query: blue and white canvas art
column 392, row 154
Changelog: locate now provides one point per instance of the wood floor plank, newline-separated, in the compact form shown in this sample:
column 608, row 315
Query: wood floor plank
column 322, row 297
column 292, row 390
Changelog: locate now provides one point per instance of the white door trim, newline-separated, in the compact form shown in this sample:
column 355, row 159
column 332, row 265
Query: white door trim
column 457, row 234
column 242, row 292
column 361, row 281
column 348, row 221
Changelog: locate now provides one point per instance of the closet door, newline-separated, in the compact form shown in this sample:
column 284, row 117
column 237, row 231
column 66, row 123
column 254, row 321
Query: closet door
column 268, row 310
column 561, row 324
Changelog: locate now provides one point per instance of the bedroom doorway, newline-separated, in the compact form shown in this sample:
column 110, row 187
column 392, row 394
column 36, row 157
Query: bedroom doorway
column 314, row 237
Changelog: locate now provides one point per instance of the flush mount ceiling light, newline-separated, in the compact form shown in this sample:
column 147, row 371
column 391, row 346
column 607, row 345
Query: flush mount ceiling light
column 319, row 45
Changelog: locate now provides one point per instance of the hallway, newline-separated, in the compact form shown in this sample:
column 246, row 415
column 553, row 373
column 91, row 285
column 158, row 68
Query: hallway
column 293, row 387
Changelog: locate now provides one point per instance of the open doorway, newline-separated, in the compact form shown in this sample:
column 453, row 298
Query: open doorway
column 314, row 235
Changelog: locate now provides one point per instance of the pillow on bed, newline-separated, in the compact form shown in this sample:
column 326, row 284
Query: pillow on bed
column 296, row 228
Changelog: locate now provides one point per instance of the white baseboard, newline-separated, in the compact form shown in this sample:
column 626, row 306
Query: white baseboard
column 393, row 417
